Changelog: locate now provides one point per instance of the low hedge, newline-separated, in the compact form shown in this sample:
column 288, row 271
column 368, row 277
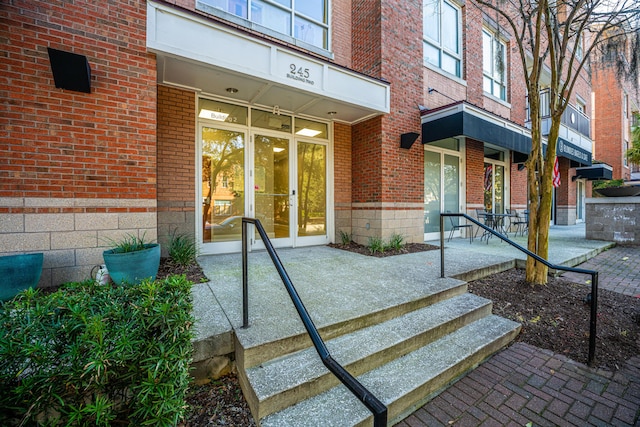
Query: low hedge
column 97, row 355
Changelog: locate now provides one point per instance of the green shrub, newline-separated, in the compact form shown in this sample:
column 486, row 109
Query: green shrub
column 183, row 249
column 129, row 243
column 97, row 355
column 396, row 242
column 375, row 244
column 345, row 237
column 608, row 183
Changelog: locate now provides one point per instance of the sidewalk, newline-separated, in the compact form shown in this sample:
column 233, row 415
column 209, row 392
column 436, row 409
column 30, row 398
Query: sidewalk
column 524, row 384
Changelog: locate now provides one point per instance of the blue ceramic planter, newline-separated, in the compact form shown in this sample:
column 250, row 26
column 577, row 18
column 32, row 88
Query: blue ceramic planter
column 19, row 272
column 131, row 268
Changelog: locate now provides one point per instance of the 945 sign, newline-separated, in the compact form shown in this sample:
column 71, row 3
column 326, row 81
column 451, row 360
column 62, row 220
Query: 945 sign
column 300, row 74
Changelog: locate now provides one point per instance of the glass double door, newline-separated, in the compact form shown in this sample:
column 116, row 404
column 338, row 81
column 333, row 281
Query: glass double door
column 278, row 180
column 441, row 190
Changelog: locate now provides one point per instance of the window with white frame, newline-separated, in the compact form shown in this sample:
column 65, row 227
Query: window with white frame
column 494, row 65
column 305, row 20
column 581, row 106
column 579, row 48
column 625, row 158
column 441, row 35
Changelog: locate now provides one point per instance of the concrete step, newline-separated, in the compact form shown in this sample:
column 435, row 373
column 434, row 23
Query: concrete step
column 253, row 349
column 403, row 383
column 282, row 382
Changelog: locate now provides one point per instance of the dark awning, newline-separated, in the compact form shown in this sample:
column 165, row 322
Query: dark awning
column 573, row 152
column 595, row 172
column 463, row 119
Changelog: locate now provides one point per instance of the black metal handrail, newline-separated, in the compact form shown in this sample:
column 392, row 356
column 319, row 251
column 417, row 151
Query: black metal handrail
column 377, row 408
column 594, row 274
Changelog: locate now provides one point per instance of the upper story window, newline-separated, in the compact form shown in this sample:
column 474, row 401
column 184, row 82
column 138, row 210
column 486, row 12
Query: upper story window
column 625, row 106
column 494, row 65
column 304, row 20
column 579, row 49
column 581, row 106
column 441, row 35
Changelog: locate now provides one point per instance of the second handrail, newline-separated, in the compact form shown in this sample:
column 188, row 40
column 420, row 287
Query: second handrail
column 593, row 273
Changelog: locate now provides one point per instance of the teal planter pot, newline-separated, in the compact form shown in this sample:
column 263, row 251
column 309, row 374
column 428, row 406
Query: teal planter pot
column 19, row 272
column 131, row 268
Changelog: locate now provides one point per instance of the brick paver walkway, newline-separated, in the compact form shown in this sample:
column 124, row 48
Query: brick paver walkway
column 618, row 268
column 527, row 386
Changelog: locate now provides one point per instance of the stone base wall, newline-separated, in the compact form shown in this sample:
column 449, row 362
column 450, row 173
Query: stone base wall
column 72, row 233
column 175, row 218
column 565, row 215
column 386, row 219
column 614, row 219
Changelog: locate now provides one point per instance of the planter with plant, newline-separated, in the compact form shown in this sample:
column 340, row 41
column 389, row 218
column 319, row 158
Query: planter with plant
column 19, row 272
column 615, row 188
column 131, row 260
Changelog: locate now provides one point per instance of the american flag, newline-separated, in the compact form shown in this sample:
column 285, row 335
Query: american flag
column 556, row 174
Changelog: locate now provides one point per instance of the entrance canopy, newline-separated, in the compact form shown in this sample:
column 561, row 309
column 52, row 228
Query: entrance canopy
column 464, row 119
column 210, row 58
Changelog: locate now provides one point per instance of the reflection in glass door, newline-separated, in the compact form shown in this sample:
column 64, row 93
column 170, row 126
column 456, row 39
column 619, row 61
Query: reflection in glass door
column 494, row 187
column 580, row 200
column 441, row 190
column 271, row 186
column 312, row 189
column 222, row 185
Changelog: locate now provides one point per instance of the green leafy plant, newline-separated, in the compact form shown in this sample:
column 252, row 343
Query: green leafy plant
column 182, row 249
column 396, row 242
column 345, row 237
column 91, row 354
column 376, row 244
column 608, row 183
column 129, row 243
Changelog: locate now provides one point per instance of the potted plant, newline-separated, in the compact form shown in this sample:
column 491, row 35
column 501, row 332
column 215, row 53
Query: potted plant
column 616, row 188
column 132, row 259
column 19, row 272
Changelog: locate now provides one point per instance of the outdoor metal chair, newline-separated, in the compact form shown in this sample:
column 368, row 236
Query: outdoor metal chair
column 521, row 223
column 455, row 225
column 487, row 219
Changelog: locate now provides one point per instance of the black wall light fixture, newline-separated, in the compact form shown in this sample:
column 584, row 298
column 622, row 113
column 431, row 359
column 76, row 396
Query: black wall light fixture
column 407, row 139
column 70, row 70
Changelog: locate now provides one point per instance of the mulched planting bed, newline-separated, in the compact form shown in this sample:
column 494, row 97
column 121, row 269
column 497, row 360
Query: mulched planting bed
column 556, row 317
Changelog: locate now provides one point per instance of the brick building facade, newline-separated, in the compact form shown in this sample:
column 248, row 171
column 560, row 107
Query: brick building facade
column 202, row 111
column 615, row 102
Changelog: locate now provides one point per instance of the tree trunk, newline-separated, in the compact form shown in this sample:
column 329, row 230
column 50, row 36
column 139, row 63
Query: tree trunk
column 537, row 272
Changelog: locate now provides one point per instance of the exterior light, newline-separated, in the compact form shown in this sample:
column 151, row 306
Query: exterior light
column 308, row 132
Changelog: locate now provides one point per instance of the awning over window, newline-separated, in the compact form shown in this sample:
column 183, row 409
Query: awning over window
column 573, row 152
column 595, row 172
column 463, row 119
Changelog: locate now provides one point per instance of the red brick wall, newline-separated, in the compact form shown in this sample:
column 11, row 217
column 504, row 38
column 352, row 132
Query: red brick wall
column 366, row 37
column 475, row 172
column 341, row 33
column 342, row 163
column 608, row 121
column 176, row 144
column 366, row 164
column 472, row 52
column 566, row 192
column 519, row 189
column 402, row 169
column 63, row 144
column 382, row 171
